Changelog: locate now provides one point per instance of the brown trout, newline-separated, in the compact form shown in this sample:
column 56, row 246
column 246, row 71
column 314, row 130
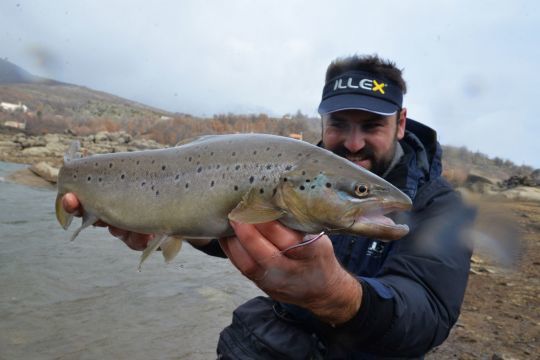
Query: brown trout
column 191, row 191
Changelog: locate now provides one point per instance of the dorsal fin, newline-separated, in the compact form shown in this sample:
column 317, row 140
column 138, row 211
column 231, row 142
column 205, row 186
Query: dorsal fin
column 72, row 152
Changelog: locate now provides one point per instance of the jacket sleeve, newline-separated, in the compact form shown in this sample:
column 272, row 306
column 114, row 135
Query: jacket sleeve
column 412, row 303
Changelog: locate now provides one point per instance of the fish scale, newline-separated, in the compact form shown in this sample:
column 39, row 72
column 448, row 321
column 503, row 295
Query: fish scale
column 194, row 189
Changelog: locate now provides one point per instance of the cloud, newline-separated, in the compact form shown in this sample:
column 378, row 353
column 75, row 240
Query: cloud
column 469, row 65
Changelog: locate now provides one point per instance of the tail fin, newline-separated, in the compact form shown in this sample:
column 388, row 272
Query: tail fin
column 62, row 216
column 72, row 152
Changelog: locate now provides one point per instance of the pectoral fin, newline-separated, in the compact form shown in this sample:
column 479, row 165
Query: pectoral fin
column 254, row 209
column 171, row 247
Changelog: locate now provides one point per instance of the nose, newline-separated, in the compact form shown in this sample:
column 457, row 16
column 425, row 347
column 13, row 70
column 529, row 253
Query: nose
column 354, row 139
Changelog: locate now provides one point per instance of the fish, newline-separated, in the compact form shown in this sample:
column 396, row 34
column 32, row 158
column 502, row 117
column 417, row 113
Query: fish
column 193, row 190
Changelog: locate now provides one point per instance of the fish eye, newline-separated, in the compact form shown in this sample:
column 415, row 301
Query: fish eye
column 361, row 190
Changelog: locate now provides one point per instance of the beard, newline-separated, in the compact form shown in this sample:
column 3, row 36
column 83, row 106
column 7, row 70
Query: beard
column 378, row 164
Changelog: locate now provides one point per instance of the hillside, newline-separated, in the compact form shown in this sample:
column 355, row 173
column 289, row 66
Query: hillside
column 55, row 107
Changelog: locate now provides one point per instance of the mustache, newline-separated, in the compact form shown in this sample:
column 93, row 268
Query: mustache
column 365, row 153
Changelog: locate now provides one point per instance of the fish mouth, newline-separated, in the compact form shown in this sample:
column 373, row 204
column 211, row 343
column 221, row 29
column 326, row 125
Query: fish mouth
column 374, row 221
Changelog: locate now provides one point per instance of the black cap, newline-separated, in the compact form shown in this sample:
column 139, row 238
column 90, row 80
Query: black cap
column 360, row 90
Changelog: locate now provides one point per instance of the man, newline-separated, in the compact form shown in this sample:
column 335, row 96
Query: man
column 348, row 297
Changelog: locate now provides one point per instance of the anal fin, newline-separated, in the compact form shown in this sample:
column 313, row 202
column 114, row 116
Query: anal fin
column 171, row 247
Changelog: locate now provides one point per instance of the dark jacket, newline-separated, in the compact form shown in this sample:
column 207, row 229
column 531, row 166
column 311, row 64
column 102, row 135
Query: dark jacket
column 412, row 288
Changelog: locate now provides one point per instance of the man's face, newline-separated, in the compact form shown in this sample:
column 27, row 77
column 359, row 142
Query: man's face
column 367, row 139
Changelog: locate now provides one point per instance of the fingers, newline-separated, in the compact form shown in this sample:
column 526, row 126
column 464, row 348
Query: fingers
column 133, row 240
column 71, row 204
column 255, row 244
column 240, row 258
column 279, row 235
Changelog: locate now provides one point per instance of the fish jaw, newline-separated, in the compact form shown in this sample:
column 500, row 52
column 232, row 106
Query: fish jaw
column 373, row 222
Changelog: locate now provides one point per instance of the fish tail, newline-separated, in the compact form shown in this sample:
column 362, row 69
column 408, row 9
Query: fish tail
column 63, row 217
column 73, row 151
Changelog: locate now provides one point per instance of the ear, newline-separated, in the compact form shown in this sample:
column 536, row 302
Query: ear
column 402, row 121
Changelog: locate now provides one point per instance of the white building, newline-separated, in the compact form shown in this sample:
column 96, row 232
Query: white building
column 13, row 107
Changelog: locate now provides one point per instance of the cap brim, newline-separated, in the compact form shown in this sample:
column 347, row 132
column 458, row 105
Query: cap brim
column 357, row 102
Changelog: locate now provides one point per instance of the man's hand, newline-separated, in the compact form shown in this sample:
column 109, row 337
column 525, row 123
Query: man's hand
column 308, row 276
column 133, row 240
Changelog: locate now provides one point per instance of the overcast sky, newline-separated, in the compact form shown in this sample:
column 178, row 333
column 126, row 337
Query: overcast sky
column 471, row 66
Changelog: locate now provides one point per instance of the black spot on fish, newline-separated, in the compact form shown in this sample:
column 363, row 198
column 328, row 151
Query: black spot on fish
column 209, row 167
column 198, row 162
column 274, row 191
column 74, row 176
column 218, row 166
column 255, row 152
column 223, row 176
column 315, row 161
column 234, row 153
column 313, row 186
column 96, row 164
column 122, row 176
column 303, row 173
column 153, row 161
column 288, row 167
column 279, row 155
column 307, row 180
column 177, row 177
column 263, row 178
column 235, row 187
column 110, row 165
column 299, row 154
column 138, row 162
column 261, row 191
column 163, row 167
column 199, row 169
column 190, row 158
column 284, row 179
column 237, row 167
column 212, row 153
column 100, row 179
column 122, row 160
column 269, row 166
column 143, row 183
column 302, row 187
column 328, row 185
column 251, row 178
column 212, row 183
column 267, row 149
column 153, row 187
column 187, row 185
column 89, row 178
column 157, row 193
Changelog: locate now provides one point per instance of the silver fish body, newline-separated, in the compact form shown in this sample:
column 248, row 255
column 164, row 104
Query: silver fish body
column 194, row 189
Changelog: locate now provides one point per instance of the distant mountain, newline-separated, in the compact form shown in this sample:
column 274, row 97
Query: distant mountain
column 62, row 99
column 13, row 74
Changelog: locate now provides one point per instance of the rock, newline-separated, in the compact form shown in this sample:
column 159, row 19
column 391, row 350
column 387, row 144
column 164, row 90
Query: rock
column 45, row 171
column 522, row 193
column 26, row 177
column 37, row 151
column 101, row 136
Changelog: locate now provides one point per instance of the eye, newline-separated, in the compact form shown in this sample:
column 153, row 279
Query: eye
column 361, row 190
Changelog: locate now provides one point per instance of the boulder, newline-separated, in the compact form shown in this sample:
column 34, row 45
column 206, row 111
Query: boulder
column 45, row 171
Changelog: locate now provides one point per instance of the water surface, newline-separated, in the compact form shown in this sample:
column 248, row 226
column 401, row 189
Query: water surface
column 86, row 300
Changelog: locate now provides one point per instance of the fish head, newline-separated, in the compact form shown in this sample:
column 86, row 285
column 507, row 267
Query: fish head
column 342, row 203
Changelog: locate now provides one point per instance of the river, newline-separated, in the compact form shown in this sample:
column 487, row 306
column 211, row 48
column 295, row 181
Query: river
column 86, row 300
